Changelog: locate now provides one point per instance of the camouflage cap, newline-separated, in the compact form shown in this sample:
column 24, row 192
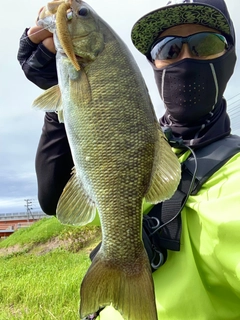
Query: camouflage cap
column 210, row 13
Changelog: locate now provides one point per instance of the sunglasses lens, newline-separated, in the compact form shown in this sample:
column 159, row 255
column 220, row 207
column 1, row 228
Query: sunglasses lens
column 207, row 44
column 201, row 44
column 167, row 48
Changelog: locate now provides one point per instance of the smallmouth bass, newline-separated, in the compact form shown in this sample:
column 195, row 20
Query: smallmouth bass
column 120, row 154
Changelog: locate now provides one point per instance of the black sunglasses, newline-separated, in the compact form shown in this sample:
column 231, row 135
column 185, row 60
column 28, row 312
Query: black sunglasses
column 202, row 44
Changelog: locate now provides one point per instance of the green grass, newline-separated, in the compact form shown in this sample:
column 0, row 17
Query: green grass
column 41, row 287
column 44, row 286
column 39, row 232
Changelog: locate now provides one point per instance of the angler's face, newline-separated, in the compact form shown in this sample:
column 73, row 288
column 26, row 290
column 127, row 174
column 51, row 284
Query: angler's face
column 173, row 50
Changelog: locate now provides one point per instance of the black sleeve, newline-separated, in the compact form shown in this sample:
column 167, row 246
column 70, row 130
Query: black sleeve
column 53, row 163
column 37, row 62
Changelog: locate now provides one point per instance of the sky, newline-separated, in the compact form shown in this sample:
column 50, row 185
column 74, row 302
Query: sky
column 20, row 125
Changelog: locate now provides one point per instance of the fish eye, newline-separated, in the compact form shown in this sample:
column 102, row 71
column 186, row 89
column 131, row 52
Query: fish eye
column 83, row 12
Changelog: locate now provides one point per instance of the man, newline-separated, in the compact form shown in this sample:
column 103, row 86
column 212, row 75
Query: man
column 202, row 280
column 191, row 48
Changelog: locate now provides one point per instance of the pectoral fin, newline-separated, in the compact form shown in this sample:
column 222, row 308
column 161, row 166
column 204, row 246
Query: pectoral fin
column 166, row 172
column 50, row 100
column 74, row 206
column 80, row 89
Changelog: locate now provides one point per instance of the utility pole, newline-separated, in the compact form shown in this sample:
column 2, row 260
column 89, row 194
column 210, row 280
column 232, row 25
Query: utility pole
column 29, row 208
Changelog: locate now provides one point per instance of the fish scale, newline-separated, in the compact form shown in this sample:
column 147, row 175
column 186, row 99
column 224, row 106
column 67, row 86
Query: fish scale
column 120, row 157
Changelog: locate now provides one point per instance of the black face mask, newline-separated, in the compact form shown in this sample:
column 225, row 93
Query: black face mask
column 192, row 89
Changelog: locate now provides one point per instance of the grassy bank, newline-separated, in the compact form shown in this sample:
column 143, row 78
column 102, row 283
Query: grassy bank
column 41, row 269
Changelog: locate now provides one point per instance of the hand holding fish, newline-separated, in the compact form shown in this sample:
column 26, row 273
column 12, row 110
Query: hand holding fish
column 38, row 34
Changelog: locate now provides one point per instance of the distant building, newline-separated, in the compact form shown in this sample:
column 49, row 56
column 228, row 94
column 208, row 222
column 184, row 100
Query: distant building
column 10, row 222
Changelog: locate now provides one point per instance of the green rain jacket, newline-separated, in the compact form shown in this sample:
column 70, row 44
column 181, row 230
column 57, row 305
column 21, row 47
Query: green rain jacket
column 202, row 280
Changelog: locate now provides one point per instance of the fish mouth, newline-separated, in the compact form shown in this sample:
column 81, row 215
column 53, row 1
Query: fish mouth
column 79, row 58
column 77, row 38
column 85, row 58
column 84, row 34
column 61, row 51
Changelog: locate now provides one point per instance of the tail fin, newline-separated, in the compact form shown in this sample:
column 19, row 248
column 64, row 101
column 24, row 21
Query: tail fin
column 128, row 288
